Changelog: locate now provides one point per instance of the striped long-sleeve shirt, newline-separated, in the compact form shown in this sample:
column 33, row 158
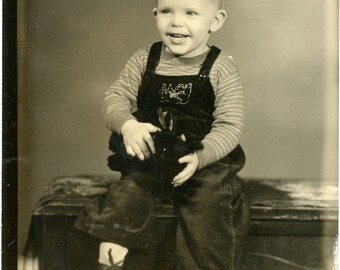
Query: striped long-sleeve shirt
column 121, row 99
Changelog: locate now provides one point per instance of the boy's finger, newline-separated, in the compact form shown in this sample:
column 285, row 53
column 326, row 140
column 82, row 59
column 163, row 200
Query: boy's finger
column 179, row 184
column 182, row 174
column 185, row 159
column 143, row 146
column 146, row 152
column 152, row 128
column 129, row 150
column 179, row 176
column 140, row 156
column 149, row 141
column 138, row 151
column 181, row 181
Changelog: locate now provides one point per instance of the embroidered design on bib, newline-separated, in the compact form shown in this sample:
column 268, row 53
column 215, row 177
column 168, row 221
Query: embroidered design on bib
column 180, row 94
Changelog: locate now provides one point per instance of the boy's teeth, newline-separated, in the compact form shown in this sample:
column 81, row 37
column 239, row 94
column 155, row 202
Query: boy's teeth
column 178, row 36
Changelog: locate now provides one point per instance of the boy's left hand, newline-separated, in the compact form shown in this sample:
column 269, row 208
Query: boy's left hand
column 192, row 164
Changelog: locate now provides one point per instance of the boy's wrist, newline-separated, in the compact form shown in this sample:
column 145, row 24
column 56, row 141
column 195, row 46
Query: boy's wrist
column 120, row 120
column 126, row 125
column 117, row 120
column 204, row 157
column 198, row 154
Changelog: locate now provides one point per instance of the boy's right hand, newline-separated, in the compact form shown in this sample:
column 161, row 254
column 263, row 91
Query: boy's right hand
column 137, row 139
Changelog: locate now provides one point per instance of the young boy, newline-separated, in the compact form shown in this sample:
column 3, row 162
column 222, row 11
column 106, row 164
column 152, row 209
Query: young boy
column 184, row 86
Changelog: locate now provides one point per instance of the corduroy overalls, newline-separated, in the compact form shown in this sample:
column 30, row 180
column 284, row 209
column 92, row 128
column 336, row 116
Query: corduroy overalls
column 212, row 214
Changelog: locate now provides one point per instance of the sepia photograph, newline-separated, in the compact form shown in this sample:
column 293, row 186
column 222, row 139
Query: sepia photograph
column 177, row 134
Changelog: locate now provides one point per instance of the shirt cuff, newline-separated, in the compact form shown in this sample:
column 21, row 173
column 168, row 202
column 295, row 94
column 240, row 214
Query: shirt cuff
column 205, row 157
column 118, row 120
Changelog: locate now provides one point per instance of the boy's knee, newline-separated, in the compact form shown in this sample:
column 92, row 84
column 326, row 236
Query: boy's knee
column 127, row 203
column 127, row 194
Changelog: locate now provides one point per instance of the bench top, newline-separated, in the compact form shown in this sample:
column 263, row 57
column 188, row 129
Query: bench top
column 271, row 201
column 293, row 194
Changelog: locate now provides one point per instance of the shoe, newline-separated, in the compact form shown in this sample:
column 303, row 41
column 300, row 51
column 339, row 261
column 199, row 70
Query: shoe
column 112, row 266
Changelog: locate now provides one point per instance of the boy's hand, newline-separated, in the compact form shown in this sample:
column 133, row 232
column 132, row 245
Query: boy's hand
column 137, row 139
column 192, row 164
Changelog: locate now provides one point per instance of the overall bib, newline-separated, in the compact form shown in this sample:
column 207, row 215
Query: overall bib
column 213, row 215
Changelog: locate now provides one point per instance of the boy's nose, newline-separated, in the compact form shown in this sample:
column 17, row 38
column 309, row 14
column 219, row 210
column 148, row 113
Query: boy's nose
column 177, row 21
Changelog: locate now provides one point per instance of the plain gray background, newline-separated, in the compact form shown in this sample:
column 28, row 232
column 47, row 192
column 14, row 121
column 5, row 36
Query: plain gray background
column 71, row 51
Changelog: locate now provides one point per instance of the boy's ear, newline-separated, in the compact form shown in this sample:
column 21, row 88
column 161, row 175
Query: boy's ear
column 218, row 21
column 154, row 11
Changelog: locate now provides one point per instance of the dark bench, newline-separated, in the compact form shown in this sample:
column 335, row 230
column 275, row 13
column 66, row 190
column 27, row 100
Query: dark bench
column 294, row 224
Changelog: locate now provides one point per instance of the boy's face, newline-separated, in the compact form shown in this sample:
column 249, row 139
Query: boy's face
column 184, row 25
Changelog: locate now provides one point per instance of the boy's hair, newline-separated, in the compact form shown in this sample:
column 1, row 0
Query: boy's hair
column 219, row 3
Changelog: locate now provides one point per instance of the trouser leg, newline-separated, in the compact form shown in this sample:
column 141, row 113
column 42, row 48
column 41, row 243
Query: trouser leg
column 159, row 254
column 125, row 215
column 207, row 233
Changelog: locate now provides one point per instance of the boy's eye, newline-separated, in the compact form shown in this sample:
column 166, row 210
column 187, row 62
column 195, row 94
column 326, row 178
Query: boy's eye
column 191, row 13
column 165, row 11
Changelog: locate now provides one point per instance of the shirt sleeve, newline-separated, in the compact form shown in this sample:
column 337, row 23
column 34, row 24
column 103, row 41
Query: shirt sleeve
column 229, row 117
column 121, row 98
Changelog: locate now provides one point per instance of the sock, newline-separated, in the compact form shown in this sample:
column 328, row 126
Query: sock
column 111, row 254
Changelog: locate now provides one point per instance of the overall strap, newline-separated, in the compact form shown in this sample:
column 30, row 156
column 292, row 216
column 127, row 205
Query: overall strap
column 154, row 56
column 209, row 61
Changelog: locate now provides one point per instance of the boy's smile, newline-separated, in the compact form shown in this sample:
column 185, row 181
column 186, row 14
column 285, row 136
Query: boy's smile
column 177, row 38
column 185, row 25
